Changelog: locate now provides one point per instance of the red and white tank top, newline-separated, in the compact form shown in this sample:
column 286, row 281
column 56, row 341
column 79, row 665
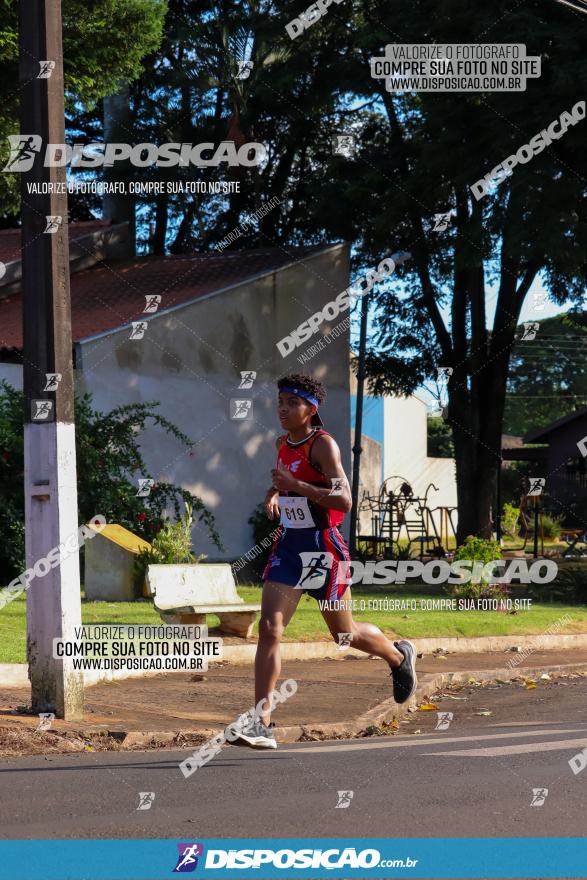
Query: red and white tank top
column 298, row 512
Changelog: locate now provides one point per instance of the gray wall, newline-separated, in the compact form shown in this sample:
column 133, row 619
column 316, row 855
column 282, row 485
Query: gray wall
column 370, row 480
column 190, row 360
column 12, row 373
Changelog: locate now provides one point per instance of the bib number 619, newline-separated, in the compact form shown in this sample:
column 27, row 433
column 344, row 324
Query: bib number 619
column 295, row 514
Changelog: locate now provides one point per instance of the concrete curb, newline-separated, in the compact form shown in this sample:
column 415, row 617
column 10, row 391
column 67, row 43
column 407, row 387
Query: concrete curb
column 431, row 683
column 243, row 654
column 428, row 684
column 375, row 717
column 16, row 674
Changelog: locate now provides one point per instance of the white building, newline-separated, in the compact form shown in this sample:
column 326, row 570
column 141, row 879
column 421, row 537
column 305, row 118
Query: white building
column 395, row 451
column 218, row 315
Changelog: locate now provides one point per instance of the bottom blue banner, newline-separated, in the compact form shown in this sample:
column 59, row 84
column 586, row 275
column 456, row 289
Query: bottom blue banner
column 502, row 857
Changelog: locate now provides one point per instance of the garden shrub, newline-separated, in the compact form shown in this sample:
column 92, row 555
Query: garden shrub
column 109, row 463
column 480, row 550
column 509, row 520
column 570, row 585
column 172, row 545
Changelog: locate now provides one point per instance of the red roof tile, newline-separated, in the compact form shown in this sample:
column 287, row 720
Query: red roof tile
column 10, row 238
column 112, row 294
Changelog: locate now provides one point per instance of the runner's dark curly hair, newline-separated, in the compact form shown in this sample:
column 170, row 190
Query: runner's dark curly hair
column 306, row 383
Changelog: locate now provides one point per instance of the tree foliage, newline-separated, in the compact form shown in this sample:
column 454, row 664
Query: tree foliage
column 457, row 302
column 548, row 374
column 104, row 43
column 440, row 443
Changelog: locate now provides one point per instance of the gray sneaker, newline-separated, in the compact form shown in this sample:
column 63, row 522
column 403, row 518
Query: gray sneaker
column 405, row 680
column 256, row 735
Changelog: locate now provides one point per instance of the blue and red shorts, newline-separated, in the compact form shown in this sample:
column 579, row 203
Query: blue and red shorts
column 315, row 561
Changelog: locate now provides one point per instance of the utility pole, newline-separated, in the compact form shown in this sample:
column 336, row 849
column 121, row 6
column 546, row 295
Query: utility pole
column 536, row 500
column 497, row 518
column 398, row 258
column 357, row 448
column 53, row 595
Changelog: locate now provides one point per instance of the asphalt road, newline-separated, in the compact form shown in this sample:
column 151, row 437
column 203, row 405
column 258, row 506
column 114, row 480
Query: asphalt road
column 475, row 778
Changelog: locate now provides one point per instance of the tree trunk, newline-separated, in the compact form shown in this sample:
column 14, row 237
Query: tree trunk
column 477, row 388
column 160, row 225
column 119, row 207
column 476, row 421
column 476, row 475
column 179, row 244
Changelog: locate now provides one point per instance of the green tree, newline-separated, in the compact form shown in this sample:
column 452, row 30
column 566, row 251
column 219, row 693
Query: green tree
column 109, row 463
column 418, row 156
column 191, row 92
column 440, row 443
column 548, row 374
column 104, row 43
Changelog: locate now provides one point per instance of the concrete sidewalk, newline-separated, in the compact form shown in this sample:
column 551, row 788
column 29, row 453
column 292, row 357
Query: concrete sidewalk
column 335, row 698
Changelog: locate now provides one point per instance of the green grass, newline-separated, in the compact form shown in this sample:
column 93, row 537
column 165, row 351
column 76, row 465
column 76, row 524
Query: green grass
column 13, row 622
column 550, row 545
column 307, row 623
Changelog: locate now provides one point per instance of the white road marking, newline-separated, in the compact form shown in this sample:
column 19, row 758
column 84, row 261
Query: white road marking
column 520, row 723
column 527, row 748
column 416, row 741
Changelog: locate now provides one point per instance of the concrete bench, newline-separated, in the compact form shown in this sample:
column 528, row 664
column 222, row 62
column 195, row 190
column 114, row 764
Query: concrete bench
column 187, row 593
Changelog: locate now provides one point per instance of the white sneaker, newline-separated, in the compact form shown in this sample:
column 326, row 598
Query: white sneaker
column 256, row 735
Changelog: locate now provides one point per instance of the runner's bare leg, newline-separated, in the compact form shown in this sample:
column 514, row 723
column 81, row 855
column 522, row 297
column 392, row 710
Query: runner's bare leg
column 278, row 604
column 365, row 636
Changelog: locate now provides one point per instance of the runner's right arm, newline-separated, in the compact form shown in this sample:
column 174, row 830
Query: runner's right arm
column 271, row 505
column 272, row 494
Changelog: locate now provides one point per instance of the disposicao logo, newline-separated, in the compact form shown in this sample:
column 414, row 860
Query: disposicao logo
column 187, row 860
column 24, row 149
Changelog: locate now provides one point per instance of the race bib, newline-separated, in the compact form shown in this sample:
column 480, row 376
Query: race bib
column 295, row 512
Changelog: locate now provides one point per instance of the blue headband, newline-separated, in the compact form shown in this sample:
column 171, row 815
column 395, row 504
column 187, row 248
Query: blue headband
column 299, row 392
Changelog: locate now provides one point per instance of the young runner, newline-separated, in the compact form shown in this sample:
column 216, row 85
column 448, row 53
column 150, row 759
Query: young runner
column 311, row 494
